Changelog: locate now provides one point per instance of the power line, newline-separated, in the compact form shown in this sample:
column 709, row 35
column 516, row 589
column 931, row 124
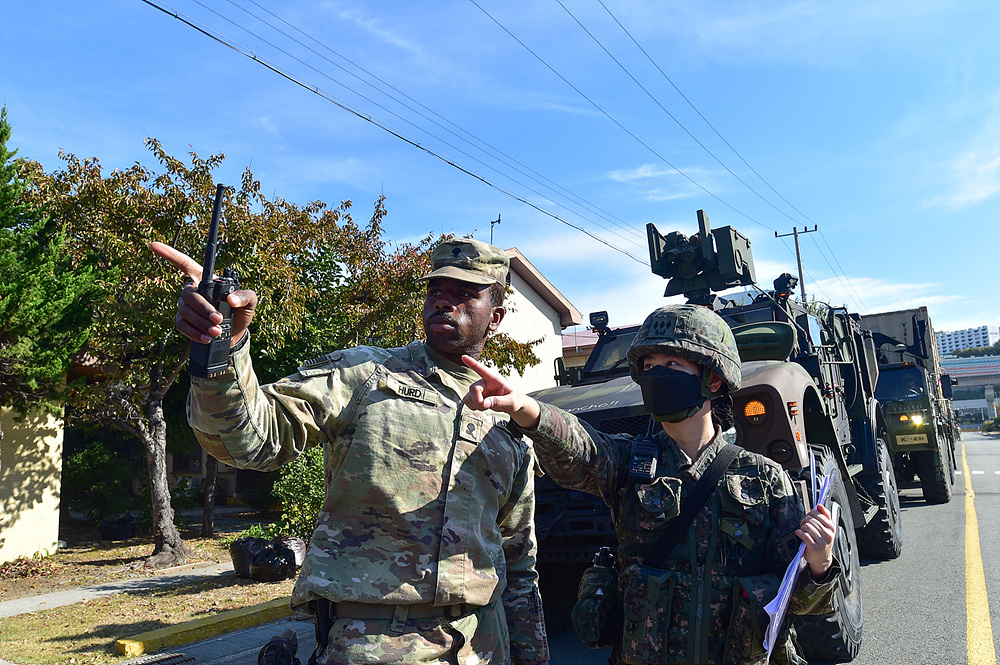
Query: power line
column 695, row 108
column 363, row 116
column 295, row 79
column 670, row 115
column 393, row 113
column 858, row 297
column 728, row 144
column 615, row 121
column 555, row 186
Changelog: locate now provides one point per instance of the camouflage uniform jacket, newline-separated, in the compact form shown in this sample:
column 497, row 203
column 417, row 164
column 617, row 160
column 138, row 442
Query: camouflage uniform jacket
column 426, row 501
column 704, row 604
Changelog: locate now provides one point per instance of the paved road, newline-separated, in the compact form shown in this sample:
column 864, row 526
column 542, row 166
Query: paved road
column 915, row 606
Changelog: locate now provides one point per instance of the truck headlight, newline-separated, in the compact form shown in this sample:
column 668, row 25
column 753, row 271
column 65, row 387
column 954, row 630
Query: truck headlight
column 917, row 419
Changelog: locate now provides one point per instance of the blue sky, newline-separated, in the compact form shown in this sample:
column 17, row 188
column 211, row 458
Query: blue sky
column 878, row 121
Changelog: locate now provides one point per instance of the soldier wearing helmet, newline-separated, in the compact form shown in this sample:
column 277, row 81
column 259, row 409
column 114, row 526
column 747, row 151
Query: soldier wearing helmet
column 704, row 601
column 424, row 552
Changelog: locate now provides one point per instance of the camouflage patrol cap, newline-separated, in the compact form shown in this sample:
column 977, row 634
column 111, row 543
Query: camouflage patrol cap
column 692, row 332
column 469, row 260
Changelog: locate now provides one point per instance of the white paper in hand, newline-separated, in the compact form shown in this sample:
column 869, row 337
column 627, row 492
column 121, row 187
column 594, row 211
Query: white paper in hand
column 776, row 608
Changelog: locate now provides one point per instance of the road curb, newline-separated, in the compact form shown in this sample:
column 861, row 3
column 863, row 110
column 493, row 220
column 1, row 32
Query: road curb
column 204, row 628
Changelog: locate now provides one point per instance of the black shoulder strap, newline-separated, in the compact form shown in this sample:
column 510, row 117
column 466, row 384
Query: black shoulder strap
column 695, row 502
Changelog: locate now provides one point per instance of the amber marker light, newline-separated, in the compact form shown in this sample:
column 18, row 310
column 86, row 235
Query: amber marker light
column 755, row 411
column 903, row 418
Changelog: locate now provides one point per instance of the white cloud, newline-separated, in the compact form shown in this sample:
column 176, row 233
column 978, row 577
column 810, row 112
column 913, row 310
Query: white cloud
column 812, row 31
column 877, row 295
column 677, row 184
column 640, row 173
column 565, row 247
column 376, row 28
column 659, row 195
column 975, row 176
column 265, row 123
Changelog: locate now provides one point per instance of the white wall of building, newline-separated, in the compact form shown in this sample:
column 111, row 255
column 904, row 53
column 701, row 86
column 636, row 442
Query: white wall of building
column 529, row 318
column 30, row 484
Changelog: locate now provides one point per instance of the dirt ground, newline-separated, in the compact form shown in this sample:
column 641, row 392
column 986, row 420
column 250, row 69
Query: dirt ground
column 86, row 632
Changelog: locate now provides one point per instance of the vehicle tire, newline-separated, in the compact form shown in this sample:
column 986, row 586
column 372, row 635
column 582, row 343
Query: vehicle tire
column 836, row 636
column 936, row 473
column 882, row 538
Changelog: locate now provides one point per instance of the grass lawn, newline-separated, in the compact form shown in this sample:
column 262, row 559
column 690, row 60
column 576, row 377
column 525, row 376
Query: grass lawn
column 86, row 632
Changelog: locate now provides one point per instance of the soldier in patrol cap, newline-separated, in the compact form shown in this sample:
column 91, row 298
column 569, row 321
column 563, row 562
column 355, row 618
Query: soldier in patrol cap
column 703, row 602
column 424, row 551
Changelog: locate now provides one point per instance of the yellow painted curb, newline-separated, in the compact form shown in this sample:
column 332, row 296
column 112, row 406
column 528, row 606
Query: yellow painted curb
column 203, row 628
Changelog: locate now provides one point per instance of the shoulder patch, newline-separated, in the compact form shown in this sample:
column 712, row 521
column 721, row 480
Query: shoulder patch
column 319, row 361
column 357, row 355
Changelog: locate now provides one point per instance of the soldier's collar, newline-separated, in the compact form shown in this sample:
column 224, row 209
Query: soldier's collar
column 460, row 373
column 708, row 453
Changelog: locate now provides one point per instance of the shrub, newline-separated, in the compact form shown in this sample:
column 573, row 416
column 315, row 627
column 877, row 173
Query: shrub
column 95, row 483
column 253, row 531
column 300, row 490
column 185, row 496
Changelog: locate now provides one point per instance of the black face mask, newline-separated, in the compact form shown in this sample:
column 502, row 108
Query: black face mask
column 670, row 395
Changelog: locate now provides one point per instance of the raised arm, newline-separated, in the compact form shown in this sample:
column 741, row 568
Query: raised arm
column 196, row 318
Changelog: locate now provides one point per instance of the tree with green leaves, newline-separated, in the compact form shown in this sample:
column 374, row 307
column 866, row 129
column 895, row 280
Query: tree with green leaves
column 328, row 283
column 992, row 350
column 45, row 297
column 133, row 343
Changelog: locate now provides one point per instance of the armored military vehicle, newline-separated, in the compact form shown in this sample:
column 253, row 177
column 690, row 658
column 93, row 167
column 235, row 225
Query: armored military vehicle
column 808, row 393
column 916, row 398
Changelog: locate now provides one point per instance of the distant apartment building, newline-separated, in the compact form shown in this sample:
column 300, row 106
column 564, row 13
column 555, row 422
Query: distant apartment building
column 970, row 338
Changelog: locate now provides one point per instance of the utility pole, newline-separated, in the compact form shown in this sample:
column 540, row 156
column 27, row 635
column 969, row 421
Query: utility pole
column 492, row 222
column 798, row 256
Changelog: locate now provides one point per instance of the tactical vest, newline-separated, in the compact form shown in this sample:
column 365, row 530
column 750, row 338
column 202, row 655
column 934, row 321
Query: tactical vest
column 705, row 605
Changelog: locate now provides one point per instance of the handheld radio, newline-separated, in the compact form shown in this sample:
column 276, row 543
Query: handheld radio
column 210, row 360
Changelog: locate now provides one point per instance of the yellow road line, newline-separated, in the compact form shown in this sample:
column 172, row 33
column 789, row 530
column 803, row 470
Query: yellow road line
column 978, row 629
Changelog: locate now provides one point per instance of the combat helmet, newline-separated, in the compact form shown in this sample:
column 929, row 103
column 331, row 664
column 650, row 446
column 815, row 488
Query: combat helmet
column 692, row 332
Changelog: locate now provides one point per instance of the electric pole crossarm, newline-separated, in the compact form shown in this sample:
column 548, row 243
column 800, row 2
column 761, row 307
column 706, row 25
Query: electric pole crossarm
column 798, row 256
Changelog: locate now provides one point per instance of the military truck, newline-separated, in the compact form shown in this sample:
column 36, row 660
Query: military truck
column 916, row 399
column 808, row 393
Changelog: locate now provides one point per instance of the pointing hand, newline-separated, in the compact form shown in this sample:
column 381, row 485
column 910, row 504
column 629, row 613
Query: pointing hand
column 196, row 318
column 493, row 391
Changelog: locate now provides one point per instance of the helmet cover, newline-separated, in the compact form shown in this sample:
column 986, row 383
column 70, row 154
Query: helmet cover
column 692, row 332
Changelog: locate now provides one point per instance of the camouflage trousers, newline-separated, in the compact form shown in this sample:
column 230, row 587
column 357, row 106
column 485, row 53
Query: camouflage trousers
column 477, row 638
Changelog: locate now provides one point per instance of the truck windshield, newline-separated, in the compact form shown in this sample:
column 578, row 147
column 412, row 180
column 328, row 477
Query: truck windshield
column 898, row 385
column 758, row 312
column 611, row 353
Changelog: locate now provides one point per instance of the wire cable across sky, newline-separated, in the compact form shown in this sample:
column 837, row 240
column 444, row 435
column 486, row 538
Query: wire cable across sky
column 500, row 163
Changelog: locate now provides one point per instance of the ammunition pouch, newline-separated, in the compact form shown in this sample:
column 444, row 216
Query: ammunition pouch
column 648, row 595
column 597, row 614
column 747, row 623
